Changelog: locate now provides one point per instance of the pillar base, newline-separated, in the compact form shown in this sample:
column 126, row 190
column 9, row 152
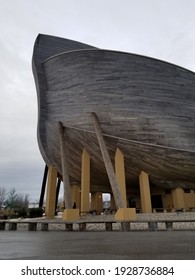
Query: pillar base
column 125, row 214
column 70, row 215
column 50, row 217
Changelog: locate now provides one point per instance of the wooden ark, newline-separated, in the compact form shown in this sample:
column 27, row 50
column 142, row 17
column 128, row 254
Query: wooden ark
column 145, row 107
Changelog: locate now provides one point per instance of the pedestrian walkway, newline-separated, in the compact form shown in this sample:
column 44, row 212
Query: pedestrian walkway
column 161, row 245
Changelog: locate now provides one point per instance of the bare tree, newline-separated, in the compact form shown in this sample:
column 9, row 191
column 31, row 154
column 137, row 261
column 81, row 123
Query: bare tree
column 3, row 194
column 22, row 201
column 12, row 199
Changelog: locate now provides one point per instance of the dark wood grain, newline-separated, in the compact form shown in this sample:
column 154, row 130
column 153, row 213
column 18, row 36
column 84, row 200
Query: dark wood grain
column 145, row 107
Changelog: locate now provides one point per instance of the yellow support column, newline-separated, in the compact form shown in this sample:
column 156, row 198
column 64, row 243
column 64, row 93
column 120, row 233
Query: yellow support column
column 69, row 214
column 178, row 198
column 51, row 193
column 85, row 182
column 122, row 213
column 76, row 196
column 96, row 201
column 120, row 174
column 144, row 184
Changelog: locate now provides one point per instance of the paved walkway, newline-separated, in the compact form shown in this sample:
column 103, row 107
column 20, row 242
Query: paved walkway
column 176, row 245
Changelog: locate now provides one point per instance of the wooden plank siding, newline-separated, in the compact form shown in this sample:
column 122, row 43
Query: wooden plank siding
column 145, row 107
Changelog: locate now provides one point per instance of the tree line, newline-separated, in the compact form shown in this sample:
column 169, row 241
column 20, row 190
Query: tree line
column 13, row 200
column 13, row 204
column 16, row 205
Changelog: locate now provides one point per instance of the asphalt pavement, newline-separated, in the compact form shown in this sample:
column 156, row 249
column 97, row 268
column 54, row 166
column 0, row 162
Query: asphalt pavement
column 52, row 245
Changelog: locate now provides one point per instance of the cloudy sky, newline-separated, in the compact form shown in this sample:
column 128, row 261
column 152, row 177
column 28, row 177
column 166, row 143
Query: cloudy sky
column 161, row 29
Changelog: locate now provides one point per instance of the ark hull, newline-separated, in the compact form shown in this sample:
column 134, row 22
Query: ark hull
column 145, row 107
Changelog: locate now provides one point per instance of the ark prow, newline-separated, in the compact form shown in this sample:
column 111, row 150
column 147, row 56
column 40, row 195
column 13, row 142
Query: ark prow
column 145, row 108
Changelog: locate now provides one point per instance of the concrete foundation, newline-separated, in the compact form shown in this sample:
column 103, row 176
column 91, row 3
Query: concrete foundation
column 70, row 215
column 125, row 214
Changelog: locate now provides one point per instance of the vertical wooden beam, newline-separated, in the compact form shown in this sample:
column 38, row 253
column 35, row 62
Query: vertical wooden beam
column 120, row 173
column 108, row 164
column 57, row 191
column 144, row 184
column 85, row 181
column 43, row 187
column 65, row 173
column 51, row 193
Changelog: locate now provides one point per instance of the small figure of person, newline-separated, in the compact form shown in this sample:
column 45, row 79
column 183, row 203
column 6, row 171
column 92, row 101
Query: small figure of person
column 74, row 205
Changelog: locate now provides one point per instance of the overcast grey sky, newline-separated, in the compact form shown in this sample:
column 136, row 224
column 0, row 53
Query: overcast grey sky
column 164, row 29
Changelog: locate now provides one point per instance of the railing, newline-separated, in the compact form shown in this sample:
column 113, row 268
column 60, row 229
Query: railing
column 82, row 225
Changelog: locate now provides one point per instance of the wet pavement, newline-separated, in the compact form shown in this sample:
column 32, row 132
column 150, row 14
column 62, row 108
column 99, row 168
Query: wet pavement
column 173, row 245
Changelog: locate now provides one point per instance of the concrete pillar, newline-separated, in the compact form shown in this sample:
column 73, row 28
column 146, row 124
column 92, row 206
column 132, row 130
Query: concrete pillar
column 123, row 214
column 96, row 201
column 76, row 196
column 144, row 184
column 120, row 174
column 51, row 193
column 178, row 198
column 85, row 182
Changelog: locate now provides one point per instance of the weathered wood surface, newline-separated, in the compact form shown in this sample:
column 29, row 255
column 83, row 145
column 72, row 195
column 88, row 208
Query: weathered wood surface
column 120, row 203
column 145, row 107
column 47, row 46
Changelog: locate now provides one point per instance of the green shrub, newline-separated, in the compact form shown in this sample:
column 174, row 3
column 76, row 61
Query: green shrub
column 35, row 212
column 22, row 212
